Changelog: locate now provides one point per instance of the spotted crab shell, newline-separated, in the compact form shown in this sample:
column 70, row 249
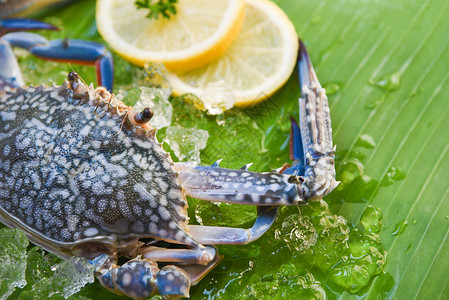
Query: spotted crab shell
column 81, row 176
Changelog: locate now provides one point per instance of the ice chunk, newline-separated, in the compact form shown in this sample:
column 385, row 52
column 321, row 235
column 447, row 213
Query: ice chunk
column 154, row 77
column 13, row 243
column 217, row 97
column 297, row 232
column 158, row 102
column 72, row 275
column 65, row 279
column 186, row 142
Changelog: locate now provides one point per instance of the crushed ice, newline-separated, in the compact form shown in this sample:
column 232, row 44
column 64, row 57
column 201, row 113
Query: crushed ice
column 186, row 143
column 13, row 243
column 217, row 97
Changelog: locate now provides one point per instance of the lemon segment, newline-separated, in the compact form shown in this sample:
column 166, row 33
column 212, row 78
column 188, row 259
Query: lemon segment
column 259, row 61
column 198, row 33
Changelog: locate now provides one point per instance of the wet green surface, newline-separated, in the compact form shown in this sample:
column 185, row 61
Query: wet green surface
column 385, row 66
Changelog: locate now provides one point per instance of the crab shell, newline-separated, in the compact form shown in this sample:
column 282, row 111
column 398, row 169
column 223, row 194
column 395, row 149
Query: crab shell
column 82, row 176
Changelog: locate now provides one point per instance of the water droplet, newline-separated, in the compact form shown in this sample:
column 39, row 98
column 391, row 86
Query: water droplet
column 373, row 103
column 394, row 174
column 352, row 169
column 408, row 247
column 316, row 20
column 371, row 219
column 366, row 141
column 326, row 52
column 414, row 222
column 390, row 82
column 399, row 228
column 332, row 88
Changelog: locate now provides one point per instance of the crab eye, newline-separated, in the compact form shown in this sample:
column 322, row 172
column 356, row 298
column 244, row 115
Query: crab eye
column 145, row 115
column 72, row 76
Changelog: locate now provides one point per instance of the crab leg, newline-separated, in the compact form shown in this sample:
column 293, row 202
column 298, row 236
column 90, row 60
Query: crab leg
column 203, row 255
column 140, row 278
column 9, row 68
column 214, row 235
column 20, row 24
column 10, row 74
column 76, row 51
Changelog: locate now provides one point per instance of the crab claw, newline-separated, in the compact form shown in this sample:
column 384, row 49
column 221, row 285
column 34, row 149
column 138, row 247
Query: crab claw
column 316, row 131
column 76, row 51
column 21, row 24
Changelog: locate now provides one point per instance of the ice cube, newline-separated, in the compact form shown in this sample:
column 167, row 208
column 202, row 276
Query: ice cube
column 158, row 102
column 154, row 77
column 65, row 279
column 186, row 143
column 217, row 97
column 72, row 275
column 13, row 243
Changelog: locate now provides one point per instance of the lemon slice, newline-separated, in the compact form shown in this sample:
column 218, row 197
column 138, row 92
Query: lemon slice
column 200, row 31
column 259, row 61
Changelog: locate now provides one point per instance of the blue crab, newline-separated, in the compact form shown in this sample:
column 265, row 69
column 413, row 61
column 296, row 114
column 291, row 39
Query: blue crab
column 83, row 175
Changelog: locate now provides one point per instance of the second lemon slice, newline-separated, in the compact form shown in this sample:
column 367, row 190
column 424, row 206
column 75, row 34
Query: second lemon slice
column 200, row 31
column 258, row 63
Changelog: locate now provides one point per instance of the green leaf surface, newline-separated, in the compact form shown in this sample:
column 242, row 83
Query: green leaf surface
column 385, row 66
column 357, row 44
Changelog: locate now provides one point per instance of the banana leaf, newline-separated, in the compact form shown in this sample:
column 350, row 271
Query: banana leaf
column 385, row 67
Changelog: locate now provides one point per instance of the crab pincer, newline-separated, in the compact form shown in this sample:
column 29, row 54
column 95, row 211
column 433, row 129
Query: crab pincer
column 63, row 50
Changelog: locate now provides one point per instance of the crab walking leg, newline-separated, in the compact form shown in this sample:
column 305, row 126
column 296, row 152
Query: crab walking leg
column 214, row 235
column 195, row 262
column 203, row 255
column 316, row 132
column 141, row 278
column 20, row 24
column 76, row 51
column 239, row 186
column 10, row 73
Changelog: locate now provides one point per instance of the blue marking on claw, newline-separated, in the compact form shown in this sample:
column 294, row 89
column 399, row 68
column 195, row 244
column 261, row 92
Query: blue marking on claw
column 20, row 24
